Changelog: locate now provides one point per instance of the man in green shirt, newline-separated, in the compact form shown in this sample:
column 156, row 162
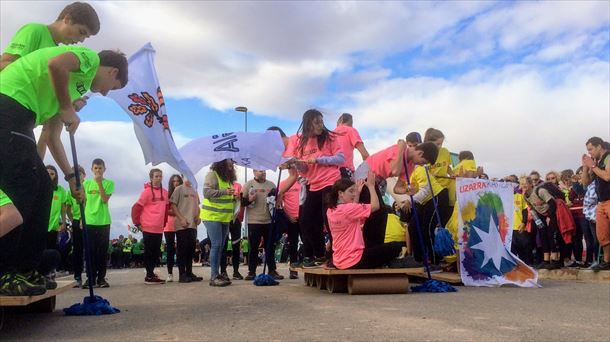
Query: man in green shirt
column 76, row 22
column 37, row 89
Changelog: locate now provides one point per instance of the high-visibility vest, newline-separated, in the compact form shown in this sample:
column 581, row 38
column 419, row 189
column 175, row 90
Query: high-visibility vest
column 218, row 209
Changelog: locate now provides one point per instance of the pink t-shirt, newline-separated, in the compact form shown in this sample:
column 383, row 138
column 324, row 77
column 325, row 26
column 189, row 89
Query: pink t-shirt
column 293, row 140
column 380, row 163
column 346, row 222
column 318, row 176
column 169, row 226
column 291, row 199
column 348, row 137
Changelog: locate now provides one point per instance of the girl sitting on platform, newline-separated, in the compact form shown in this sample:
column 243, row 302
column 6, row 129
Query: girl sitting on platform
column 346, row 218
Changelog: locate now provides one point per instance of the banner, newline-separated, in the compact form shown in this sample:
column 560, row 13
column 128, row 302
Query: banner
column 259, row 151
column 485, row 221
column 143, row 101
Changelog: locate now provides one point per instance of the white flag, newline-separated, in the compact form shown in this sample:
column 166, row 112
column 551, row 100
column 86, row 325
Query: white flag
column 143, row 101
column 259, row 151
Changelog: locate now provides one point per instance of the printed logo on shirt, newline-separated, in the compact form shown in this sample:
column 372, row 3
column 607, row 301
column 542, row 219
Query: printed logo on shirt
column 94, row 192
column 310, row 152
column 55, row 198
column 80, row 88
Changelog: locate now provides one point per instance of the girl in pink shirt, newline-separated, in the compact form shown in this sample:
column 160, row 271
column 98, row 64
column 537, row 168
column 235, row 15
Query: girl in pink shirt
column 346, row 219
column 149, row 214
column 169, row 231
column 318, row 156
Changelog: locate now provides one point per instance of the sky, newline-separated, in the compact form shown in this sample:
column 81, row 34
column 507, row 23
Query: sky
column 522, row 85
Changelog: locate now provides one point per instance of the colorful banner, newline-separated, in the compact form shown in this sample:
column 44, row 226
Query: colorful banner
column 143, row 101
column 485, row 220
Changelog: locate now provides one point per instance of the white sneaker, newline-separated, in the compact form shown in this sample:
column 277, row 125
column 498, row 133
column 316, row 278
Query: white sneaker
column 170, row 278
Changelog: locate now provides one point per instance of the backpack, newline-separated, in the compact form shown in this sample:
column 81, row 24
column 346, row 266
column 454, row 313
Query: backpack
column 552, row 189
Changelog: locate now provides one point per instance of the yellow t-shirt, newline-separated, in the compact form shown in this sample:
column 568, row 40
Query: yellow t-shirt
column 520, row 204
column 464, row 166
column 419, row 177
column 441, row 167
column 395, row 231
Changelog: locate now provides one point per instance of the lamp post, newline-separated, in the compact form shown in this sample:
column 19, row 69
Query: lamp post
column 245, row 111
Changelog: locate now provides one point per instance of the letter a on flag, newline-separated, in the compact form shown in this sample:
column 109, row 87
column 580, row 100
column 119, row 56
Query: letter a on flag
column 143, row 101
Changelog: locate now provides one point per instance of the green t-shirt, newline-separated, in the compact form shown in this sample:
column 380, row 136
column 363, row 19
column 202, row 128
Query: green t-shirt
column 29, row 38
column 74, row 207
column 96, row 211
column 245, row 246
column 60, row 197
column 27, row 80
column 4, row 200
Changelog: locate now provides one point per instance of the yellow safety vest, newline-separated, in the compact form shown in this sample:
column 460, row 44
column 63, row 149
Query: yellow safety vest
column 218, row 209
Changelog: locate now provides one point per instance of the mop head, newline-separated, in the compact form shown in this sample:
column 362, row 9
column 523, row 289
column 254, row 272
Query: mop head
column 91, row 307
column 265, row 280
column 433, row 285
column 443, row 242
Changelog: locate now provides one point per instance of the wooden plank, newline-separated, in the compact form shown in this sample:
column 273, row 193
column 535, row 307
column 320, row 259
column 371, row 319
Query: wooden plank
column 62, row 286
column 334, row 271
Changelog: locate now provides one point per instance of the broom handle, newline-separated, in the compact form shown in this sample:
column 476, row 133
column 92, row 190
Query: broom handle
column 438, row 216
column 417, row 226
column 82, row 216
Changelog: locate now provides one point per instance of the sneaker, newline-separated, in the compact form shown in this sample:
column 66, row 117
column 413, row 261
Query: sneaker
column 603, row 266
column 275, row 275
column 79, row 283
column 585, row 265
column 184, row 278
column 297, row 264
column 406, row 262
column 250, row 276
column 320, row 260
column 47, row 281
column 102, row 283
column 224, row 276
column 85, row 285
column 153, row 280
column 237, row 276
column 294, row 275
column 170, row 278
column 219, row 282
column 593, row 265
column 574, row 264
column 554, row 265
column 308, row 263
column 16, row 284
column 194, row 277
column 543, row 265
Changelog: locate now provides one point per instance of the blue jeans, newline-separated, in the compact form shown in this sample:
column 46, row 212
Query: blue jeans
column 217, row 232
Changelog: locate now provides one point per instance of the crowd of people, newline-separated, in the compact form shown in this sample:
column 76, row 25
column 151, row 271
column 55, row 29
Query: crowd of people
column 333, row 214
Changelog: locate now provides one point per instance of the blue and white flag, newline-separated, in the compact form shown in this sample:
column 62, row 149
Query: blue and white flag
column 259, row 151
column 143, row 101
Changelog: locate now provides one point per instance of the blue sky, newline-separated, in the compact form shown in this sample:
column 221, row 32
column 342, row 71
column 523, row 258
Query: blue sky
column 520, row 84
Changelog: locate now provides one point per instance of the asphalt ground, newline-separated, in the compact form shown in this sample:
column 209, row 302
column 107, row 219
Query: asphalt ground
column 559, row 311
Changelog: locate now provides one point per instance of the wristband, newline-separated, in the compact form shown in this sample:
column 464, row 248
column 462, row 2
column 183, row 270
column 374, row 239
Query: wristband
column 69, row 176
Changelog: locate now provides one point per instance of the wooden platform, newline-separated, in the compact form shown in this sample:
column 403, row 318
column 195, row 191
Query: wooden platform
column 42, row 303
column 575, row 274
column 368, row 281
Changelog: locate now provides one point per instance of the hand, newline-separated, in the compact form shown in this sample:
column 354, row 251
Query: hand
column 197, row 220
column 401, row 144
column 480, row 171
column 230, row 191
column 69, row 118
column 183, row 222
column 370, row 179
column 521, row 228
column 78, row 194
column 62, row 227
column 359, row 185
column 80, row 103
column 311, row 161
column 548, row 221
column 98, row 178
column 588, row 161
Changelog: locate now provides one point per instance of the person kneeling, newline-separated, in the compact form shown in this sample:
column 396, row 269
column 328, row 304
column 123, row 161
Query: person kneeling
column 346, row 218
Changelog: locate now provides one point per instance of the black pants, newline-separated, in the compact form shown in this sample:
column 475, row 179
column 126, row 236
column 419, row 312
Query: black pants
column 49, row 262
column 185, row 240
column 591, row 240
column 52, row 240
column 170, row 240
column 373, row 231
column 293, row 230
column 379, row 255
column 522, row 246
column 99, row 239
column 152, row 251
column 549, row 234
column 235, row 231
column 577, row 246
column 256, row 232
column 24, row 179
column 428, row 224
column 77, row 251
column 313, row 218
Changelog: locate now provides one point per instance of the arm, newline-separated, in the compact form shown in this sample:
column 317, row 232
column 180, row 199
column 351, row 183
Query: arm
column 601, row 173
column 396, row 165
column 59, row 154
column 179, row 216
column 105, row 198
column 59, row 72
column 337, row 159
column 62, row 216
column 210, row 187
column 363, row 152
column 7, row 59
column 136, row 214
column 370, row 184
column 69, row 211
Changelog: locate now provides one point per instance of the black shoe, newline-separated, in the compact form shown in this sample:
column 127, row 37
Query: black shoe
column 224, row 276
column 79, row 283
column 219, row 282
column 554, row 265
column 47, row 281
column 308, row 263
column 153, row 280
column 195, row 277
column 184, row 278
column 250, row 276
column 102, row 283
column 16, row 284
column 603, row 266
column 320, row 260
column 543, row 265
column 296, row 264
column 237, row 276
column 406, row 262
column 275, row 275
column 574, row 264
column 294, row 275
column 85, row 285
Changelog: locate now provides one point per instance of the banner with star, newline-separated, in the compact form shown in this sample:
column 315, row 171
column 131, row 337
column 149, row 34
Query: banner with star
column 485, row 220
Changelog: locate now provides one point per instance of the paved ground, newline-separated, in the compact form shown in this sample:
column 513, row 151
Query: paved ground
column 561, row 310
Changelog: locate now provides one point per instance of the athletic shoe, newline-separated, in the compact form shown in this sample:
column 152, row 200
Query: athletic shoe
column 86, row 285
column 406, row 262
column 593, row 265
column 153, row 280
column 554, row 265
column 250, row 276
column 320, row 260
column 224, row 276
column 219, row 282
column 585, row 265
column 194, row 277
column 237, row 276
column 15, row 284
column 297, row 264
column 308, row 263
column 170, row 278
column 294, row 275
column 543, row 265
column 102, row 283
column 47, row 281
column 79, row 283
column 275, row 275
column 184, row 278
column 603, row 266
